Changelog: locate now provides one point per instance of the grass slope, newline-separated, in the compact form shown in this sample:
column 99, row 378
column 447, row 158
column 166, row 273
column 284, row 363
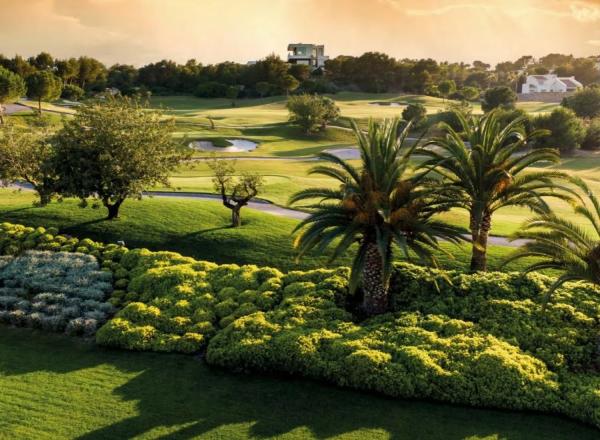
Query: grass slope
column 196, row 228
column 58, row 387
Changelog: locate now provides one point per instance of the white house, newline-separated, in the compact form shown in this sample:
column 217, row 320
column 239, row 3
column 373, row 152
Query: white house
column 550, row 83
column 309, row 54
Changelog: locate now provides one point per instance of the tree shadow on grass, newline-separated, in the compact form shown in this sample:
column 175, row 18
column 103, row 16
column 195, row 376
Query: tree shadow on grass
column 179, row 397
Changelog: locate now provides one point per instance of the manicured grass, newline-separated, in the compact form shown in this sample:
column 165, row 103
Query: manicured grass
column 197, row 228
column 58, row 387
column 272, row 110
column 277, row 141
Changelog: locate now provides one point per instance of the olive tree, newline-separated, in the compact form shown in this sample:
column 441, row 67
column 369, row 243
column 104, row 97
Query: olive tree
column 113, row 150
column 235, row 191
column 12, row 87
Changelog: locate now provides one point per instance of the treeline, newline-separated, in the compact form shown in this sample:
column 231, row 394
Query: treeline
column 370, row 72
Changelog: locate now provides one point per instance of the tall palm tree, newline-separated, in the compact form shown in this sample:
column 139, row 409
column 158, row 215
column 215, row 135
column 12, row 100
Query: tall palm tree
column 484, row 169
column 375, row 205
column 562, row 244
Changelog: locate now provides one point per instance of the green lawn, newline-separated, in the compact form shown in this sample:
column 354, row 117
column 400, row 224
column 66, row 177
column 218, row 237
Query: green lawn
column 267, row 111
column 277, row 141
column 58, row 387
column 196, row 228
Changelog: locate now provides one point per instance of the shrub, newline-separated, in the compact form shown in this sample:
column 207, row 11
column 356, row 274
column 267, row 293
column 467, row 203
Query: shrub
column 55, row 291
column 501, row 96
column 585, row 102
column 180, row 302
column 567, row 130
column 416, row 113
column 592, row 136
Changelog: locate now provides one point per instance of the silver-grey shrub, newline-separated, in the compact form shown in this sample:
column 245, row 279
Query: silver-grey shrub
column 54, row 291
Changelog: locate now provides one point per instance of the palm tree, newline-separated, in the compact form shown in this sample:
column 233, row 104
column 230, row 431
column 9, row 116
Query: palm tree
column 375, row 205
column 483, row 169
column 562, row 244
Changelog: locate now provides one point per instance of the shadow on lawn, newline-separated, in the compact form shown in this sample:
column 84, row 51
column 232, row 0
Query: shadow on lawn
column 182, row 395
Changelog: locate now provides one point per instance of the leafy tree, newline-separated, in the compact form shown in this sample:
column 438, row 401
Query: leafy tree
column 289, row 84
column 26, row 155
column 446, row 87
column 585, row 102
column 567, row 131
column 376, row 205
column 263, row 88
column 591, row 141
column 12, row 87
column 331, row 111
column 92, row 74
column 481, row 173
column 43, row 61
column 72, row 92
column 416, row 113
column 67, row 70
column 43, row 86
column 232, row 94
column 470, row 93
column 235, row 192
column 122, row 77
column 312, row 112
column 562, row 244
column 211, row 89
column 500, row 96
column 300, row 71
column 114, row 150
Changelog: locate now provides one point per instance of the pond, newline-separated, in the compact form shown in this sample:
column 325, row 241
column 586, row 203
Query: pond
column 237, row 146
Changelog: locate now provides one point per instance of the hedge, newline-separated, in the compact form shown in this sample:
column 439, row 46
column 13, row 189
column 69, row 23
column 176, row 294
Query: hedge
column 478, row 339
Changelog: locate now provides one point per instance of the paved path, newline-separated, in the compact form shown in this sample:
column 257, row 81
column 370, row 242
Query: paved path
column 10, row 109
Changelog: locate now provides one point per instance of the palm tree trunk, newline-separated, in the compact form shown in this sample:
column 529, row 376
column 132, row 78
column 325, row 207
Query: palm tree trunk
column 479, row 237
column 376, row 293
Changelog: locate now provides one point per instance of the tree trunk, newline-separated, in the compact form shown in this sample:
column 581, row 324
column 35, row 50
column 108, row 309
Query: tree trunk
column 376, row 293
column 479, row 237
column 1, row 115
column 113, row 210
column 236, row 219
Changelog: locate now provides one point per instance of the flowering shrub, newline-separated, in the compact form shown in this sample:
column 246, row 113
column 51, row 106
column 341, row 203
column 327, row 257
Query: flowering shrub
column 176, row 303
column 55, row 291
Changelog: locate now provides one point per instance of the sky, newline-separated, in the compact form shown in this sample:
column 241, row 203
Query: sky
column 142, row 31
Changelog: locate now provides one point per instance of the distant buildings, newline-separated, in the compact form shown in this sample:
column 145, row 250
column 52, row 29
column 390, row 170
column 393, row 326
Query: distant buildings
column 550, row 83
column 308, row 54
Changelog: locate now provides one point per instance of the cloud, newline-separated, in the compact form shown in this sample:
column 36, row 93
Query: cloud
column 585, row 12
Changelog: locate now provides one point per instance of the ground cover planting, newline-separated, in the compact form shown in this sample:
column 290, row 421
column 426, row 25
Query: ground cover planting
column 446, row 340
column 54, row 291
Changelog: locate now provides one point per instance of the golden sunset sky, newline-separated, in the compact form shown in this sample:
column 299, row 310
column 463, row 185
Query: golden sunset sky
column 140, row 31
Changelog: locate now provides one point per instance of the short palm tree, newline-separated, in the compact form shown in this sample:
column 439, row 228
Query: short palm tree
column 483, row 169
column 562, row 244
column 375, row 206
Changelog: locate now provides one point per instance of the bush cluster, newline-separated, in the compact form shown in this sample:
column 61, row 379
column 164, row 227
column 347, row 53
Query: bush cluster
column 482, row 340
column 176, row 303
column 54, row 291
column 486, row 339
